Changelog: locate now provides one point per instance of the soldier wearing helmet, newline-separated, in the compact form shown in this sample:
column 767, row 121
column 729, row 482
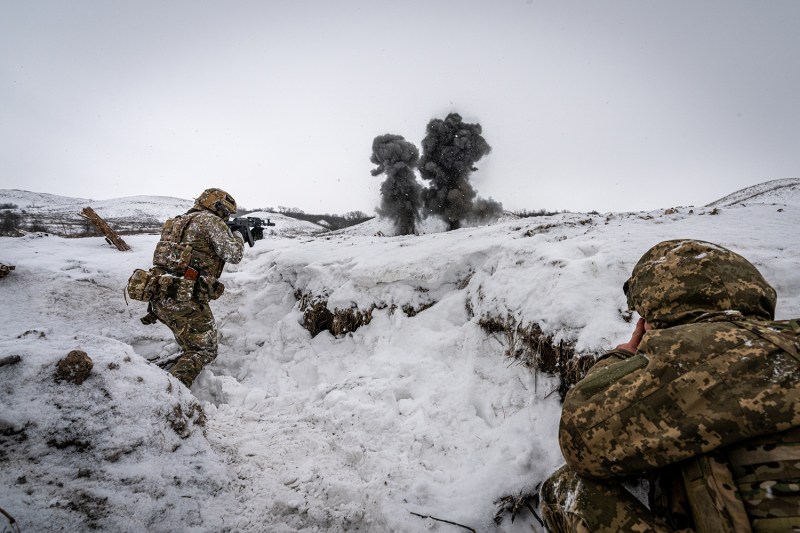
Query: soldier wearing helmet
column 187, row 264
column 704, row 401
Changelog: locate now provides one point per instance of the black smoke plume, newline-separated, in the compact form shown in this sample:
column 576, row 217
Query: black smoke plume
column 450, row 150
column 400, row 192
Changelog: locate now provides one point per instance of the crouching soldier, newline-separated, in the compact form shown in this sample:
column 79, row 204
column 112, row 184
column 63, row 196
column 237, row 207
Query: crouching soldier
column 187, row 263
column 703, row 401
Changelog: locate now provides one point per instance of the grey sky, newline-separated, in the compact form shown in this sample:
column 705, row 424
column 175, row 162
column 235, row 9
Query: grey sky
column 612, row 105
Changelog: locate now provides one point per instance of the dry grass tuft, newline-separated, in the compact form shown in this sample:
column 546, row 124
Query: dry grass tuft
column 348, row 320
column 531, row 347
column 318, row 318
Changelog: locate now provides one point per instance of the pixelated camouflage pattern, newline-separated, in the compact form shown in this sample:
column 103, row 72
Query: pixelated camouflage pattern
column 191, row 321
column 571, row 503
column 678, row 281
column 688, row 390
column 693, row 387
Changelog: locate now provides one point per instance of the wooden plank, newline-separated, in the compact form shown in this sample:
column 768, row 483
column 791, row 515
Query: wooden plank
column 111, row 235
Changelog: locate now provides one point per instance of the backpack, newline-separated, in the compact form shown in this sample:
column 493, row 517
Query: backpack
column 171, row 254
column 753, row 485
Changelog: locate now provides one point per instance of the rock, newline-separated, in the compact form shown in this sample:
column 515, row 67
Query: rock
column 5, row 269
column 10, row 360
column 75, row 367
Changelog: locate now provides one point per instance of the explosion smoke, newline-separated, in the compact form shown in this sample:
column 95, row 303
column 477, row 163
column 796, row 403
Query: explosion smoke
column 400, row 191
column 450, row 150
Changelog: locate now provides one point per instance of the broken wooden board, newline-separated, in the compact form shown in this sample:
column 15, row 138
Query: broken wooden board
column 111, row 235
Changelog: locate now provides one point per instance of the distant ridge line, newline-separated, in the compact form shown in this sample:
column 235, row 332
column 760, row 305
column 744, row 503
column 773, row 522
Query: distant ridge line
column 760, row 189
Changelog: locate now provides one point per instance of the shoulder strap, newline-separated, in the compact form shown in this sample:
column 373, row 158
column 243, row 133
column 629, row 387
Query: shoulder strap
column 767, row 474
column 179, row 226
column 716, row 503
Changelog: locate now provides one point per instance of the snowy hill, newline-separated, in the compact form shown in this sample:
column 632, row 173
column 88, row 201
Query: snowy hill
column 286, row 226
column 417, row 410
column 36, row 200
column 786, row 191
column 156, row 207
column 133, row 214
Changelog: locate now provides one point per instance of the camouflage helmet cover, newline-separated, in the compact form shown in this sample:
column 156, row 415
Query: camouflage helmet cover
column 217, row 201
column 677, row 281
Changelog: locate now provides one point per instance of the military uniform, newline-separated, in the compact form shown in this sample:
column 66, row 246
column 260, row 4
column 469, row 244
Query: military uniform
column 187, row 264
column 714, row 377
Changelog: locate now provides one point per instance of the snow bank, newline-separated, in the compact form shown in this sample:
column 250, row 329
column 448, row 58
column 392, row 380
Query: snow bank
column 122, row 451
column 407, row 414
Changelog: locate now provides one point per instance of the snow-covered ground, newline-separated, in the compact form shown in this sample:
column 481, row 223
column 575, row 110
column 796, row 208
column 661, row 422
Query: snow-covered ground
column 408, row 414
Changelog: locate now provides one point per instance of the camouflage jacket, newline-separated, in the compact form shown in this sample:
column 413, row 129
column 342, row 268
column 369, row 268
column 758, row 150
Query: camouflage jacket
column 211, row 240
column 714, row 373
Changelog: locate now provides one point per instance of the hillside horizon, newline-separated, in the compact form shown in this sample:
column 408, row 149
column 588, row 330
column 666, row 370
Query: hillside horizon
column 145, row 214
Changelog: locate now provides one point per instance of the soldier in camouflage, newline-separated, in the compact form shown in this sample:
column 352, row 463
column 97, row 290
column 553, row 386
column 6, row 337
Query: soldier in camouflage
column 703, row 401
column 187, row 264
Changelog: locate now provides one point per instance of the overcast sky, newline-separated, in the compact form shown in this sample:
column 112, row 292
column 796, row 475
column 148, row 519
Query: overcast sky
column 595, row 105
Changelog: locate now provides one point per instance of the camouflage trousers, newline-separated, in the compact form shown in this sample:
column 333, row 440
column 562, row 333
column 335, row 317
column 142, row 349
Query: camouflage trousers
column 195, row 330
column 571, row 503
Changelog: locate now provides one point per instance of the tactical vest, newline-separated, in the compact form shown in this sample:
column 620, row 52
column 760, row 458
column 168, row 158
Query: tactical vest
column 753, row 486
column 171, row 253
column 175, row 254
column 186, row 270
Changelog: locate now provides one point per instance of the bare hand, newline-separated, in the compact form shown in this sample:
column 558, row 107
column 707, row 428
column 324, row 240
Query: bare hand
column 636, row 338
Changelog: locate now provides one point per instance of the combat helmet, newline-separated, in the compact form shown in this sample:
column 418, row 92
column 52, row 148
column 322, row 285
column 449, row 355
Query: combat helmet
column 679, row 281
column 217, row 201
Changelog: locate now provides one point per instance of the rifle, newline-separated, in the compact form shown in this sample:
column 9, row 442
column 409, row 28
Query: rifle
column 251, row 228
